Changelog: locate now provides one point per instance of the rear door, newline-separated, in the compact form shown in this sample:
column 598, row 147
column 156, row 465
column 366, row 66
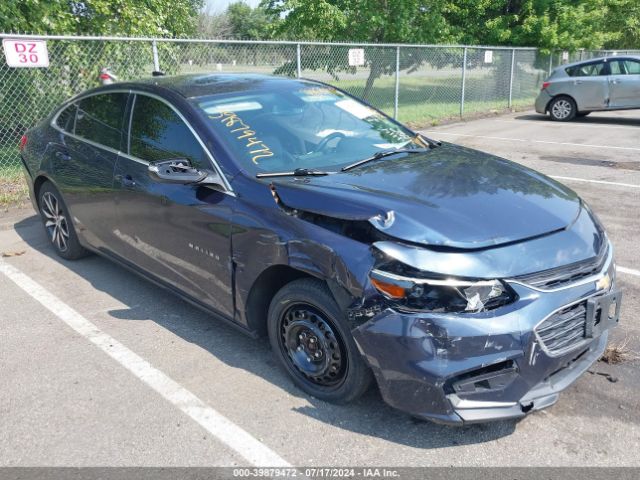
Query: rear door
column 588, row 85
column 91, row 135
column 624, row 83
column 178, row 233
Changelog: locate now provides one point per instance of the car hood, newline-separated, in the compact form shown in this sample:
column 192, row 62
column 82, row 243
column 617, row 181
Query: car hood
column 450, row 196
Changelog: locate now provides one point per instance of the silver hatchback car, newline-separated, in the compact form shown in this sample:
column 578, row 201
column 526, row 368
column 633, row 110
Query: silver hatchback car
column 577, row 89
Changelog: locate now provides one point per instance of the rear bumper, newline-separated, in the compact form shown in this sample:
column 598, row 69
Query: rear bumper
column 542, row 100
column 460, row 369
column 29, row 180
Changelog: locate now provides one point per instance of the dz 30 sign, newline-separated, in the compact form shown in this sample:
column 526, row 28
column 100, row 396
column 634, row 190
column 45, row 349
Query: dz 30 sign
column 25, row 53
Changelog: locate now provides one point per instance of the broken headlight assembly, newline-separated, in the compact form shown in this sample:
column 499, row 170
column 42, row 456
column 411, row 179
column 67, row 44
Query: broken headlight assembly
column 441, row 294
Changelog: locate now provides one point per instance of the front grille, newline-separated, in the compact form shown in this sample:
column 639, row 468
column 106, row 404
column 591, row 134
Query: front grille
column 567, row 274
column 564, row 330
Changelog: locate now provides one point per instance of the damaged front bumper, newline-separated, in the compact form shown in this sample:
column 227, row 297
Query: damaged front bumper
column 466, row 368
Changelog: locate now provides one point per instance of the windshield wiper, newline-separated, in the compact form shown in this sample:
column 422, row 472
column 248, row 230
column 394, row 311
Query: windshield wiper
column 298, row 172
column 382, row 154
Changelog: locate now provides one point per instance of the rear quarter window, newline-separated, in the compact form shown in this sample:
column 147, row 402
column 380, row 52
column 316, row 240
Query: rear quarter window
column 66, row 119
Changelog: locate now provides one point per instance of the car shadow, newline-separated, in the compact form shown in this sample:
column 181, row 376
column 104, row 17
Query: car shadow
column 593, row 119
column 369, row 415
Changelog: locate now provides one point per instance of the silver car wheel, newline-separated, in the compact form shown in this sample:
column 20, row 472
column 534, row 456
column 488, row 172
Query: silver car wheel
column 561, row 109
column 55, row 221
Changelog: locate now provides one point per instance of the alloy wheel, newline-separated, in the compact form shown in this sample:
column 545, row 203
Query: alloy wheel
column 55, row 221
column 313, row 346
column 561, row 109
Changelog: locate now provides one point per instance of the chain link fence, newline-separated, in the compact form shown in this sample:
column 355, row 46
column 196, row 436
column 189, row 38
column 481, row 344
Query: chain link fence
column 417, row 84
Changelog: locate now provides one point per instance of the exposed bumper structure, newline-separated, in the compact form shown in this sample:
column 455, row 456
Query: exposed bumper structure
column 467, row 368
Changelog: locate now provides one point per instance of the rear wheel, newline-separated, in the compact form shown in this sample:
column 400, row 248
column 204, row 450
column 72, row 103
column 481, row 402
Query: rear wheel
column 57, row 223
column 562, row 109
column 312, row 342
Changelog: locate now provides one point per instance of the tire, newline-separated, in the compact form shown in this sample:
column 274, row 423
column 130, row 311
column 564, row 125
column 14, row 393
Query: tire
column 562, row 109
column 304, row 322
column 57, row 224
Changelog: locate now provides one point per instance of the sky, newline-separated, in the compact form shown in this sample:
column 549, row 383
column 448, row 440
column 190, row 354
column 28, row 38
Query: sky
column 221, row 5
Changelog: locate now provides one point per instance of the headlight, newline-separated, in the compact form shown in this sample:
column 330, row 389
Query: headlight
column 441, row 294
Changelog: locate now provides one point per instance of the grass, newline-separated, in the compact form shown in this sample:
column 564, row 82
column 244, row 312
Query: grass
column 618, row 352
column 13, row 188
column 425, row 101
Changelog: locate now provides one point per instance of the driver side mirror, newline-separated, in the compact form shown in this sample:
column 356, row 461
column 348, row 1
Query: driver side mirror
column 179, row 170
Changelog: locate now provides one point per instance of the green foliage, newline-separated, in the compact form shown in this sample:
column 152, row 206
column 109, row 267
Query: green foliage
column 250, row 23
column 547, row 24
column 384, row 21
column 166, row 18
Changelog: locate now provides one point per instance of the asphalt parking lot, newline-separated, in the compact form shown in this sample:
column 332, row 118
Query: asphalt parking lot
column 100, row 368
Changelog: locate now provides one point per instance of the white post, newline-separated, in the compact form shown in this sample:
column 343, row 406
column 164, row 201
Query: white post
column 298, row 65
column 464, row 75
column 156, row 60
column 397, row 92
column 513, row 59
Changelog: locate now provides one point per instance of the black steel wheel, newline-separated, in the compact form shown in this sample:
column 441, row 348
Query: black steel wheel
column 312, row 345
column 312, row 342
column 57, row 223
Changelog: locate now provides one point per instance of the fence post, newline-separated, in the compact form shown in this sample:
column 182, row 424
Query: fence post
column 397, row 92
column 513, row 59
column 298, row 65
column 550, row 62
column 464, row 75
column 156, row 61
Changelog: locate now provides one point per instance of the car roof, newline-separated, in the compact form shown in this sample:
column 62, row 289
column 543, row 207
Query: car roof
column 197, row 85
column 596, row 59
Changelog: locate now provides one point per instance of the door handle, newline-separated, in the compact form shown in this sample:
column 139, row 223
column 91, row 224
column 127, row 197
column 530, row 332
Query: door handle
column 577, row 82
column 126, row 180
column 62, row 155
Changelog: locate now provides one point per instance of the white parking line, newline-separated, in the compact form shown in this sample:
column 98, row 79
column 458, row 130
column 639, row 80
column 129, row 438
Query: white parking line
column 629, row 271
column 547, row 142
column 234, row 437
column 604, row 182
column 567, row 124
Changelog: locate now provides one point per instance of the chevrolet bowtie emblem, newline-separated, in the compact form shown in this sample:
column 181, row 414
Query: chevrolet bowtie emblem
column 604, row 283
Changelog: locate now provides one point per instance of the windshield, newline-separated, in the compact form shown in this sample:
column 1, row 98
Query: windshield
column 308, row 126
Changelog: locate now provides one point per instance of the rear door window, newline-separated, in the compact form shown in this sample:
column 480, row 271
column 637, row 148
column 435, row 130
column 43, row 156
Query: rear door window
column 100, row 118
column 158, row 133
column 625, row 67
column 587, row 70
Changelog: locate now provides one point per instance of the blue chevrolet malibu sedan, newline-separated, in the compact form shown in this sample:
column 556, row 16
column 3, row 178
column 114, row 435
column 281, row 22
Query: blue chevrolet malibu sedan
column 468, row 287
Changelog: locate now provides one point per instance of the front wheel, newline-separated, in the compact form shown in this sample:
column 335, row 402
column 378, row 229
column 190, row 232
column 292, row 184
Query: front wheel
column 562, row 109
column 311, row 340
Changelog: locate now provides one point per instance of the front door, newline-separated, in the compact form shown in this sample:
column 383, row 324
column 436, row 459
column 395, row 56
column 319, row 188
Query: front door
column 178, row 233
column 624, row 83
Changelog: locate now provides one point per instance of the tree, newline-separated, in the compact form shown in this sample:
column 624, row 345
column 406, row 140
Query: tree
column 251, row 23
column 547, row 24
column 163, row 18
column 624, row 19
column 372, row 21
